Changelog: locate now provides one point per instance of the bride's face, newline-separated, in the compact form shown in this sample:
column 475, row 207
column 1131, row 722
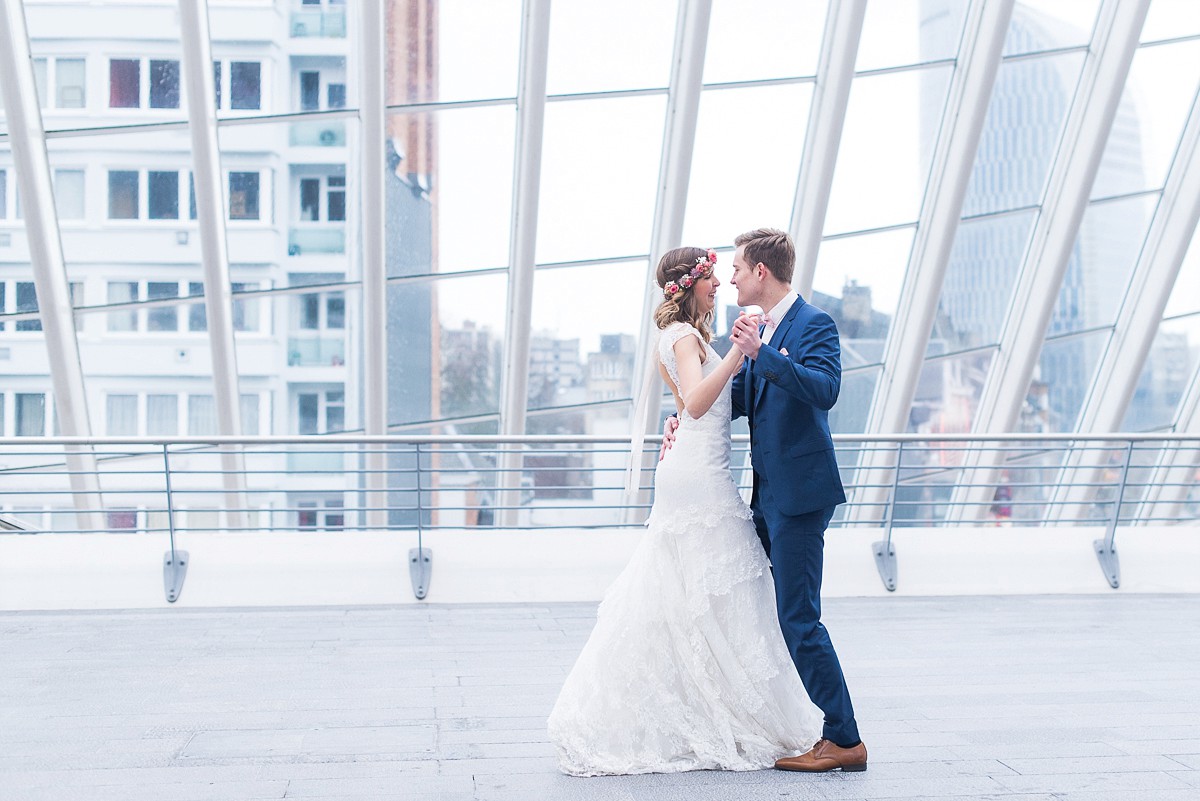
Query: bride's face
column 706, row 292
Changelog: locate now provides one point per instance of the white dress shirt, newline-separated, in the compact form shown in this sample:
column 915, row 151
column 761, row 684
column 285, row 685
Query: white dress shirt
column 775, row 316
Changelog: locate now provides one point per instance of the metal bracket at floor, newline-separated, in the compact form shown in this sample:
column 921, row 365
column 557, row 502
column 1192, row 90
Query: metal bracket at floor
column 420, row 569
column 885, row 562
column 1106, row 552
column 174, row 572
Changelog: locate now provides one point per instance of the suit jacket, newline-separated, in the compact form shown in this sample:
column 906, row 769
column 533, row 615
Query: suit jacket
column 788, row 398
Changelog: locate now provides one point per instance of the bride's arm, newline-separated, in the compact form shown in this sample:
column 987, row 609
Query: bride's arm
column 700, row 392
column 662, row 371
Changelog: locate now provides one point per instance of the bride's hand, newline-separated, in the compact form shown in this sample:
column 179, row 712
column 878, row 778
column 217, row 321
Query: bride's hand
column 668, row 439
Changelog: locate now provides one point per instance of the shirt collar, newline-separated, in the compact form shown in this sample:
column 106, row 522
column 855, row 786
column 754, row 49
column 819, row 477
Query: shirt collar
column 776, row 315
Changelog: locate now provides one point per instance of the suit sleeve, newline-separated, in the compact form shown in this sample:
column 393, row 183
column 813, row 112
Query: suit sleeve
column 815, row 375
column 738, row 392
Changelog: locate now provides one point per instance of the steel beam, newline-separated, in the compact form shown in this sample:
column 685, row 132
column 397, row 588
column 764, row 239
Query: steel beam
column 531, row 117
column 214, row 248
column 1105, row 72
column 372, row 57
column 966, row 108
column 28, row 139
column 674, row 174
column 826, row 118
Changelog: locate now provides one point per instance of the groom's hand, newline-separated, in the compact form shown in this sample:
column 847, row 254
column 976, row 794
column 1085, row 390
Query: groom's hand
column 745, row 336
column 668, row 439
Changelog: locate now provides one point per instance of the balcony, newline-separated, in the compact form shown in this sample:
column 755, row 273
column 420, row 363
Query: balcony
column 324, row 240
column 327, row 133
column 316, row 351
column 325, row 23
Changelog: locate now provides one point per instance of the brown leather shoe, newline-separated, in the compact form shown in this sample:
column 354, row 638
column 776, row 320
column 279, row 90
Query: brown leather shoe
column 826, row 756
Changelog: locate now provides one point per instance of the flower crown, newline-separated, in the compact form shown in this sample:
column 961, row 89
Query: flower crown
column 704, row 265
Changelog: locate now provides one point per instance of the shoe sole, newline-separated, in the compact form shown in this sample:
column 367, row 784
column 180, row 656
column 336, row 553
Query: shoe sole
column 843, row 768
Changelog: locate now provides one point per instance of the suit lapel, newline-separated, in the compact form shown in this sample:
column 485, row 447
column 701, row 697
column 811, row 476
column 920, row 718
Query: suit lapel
column 777, row 340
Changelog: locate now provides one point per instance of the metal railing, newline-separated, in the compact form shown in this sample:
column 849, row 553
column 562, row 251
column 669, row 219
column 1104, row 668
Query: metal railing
column 318, row 484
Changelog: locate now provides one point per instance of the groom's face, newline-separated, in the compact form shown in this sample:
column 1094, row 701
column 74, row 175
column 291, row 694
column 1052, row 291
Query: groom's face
column 745, row 278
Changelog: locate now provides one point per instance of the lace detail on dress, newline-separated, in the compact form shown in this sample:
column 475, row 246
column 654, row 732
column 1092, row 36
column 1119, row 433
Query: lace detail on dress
column 686, row 668
column 666, row 347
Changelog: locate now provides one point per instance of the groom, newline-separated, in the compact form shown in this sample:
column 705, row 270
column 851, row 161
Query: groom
column 789, row 380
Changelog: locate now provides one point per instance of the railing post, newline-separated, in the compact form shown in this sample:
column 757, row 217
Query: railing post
column 420, row 559
column 885, row 554
column 1106, row 550
column 174, row 562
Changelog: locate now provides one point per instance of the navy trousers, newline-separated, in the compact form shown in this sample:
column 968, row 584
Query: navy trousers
column 795, row 544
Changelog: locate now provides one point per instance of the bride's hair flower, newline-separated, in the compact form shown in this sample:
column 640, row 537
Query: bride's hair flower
column 704, row 266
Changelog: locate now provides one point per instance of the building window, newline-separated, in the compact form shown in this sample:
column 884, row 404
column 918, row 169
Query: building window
column 321, row 412
column 122, row 195
column 122, row 417
column 122, row 519
column 122, row 292
column 197, row 314
column 3, row 194
column 202, row 415
column 164, row 84
column 27, row 302
column 334, row 207
column 245, row 85
column 323, row 311
column 163, row 318
column 164, row 195
column 248, row 405
column 310, row 91
column 243, row 196
column 68, row 194
column 245, row 312
column 3, row 307
column 31, row 414
column 336, row 93
column 124, row 83
column 67, row 76
column 337, row 198
column 162, row 415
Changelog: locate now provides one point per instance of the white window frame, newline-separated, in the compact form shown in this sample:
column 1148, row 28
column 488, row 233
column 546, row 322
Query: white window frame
column 143, row 84
column 51, row 61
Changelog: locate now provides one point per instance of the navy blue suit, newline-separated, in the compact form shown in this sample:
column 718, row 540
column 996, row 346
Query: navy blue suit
column 796, row 489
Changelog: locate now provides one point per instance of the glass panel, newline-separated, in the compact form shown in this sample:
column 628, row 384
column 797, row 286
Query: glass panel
column 124, row 83
column 164, row 84
column 4, row 194
column 1185, row 295
column 468, row 33
column 1061, row 382
column 1050, row 24
column 40, row 69
column 762, row 39
column 162, row 415
column 735, row 187
column 899, row 32
column 858, row 282
column 243, row 195
column 70, row 83
column 202, row 415
column 979, row 281
column 1165, row 377
column 162, row 318
column 27, row 302
column 122, row 195
column 163, row 191
column 122, row 292
column 1101, row 263
column 948, row 394
column 69, row 194
column 849, row 414
column 582, row 37
column 122, row 416
column 249, row 415
column 1021, row 133
column 245, row 78
column 30, row 414
column 1171, row 18
column 883, row 164
column 598, row 180
column 1154, row 107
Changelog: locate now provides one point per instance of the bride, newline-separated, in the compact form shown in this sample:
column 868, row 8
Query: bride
column 686, row 668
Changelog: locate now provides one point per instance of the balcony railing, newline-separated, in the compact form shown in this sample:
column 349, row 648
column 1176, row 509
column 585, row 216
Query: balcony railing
column 167, row 486
column 322, row 133
column 323, row 240
column 317, row 351
column 320, row 22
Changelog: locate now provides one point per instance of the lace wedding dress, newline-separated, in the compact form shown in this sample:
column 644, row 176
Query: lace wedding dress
column 686, row 668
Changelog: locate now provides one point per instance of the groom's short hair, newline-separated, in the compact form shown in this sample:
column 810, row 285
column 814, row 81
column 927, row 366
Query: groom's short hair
column 773, row 248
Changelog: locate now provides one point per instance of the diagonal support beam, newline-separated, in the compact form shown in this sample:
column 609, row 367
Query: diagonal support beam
column 1174, row 477
column 826, row 118
column 1105, row 72
column 674, row 173
column 970, row 93
column 214, row 249
column 1141, row 313
column 28, row 139
column 531, row 118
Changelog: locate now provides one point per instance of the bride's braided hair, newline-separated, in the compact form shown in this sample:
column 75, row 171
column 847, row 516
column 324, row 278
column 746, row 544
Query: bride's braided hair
column 677, row 272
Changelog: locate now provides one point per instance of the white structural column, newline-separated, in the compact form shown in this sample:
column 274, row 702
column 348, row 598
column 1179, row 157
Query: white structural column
column 214, row 250
column 970, row 93
column 372, row 59
column 826, row 117
column 531, row 116
column 1141, row 312
column 1078, row 158
column 666, row 233
column 28, row 140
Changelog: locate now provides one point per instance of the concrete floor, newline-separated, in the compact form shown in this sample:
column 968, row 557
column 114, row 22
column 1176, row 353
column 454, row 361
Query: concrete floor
column 1082, row 698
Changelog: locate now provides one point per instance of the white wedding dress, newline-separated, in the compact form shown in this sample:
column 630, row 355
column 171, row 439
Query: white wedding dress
column 686, row 668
